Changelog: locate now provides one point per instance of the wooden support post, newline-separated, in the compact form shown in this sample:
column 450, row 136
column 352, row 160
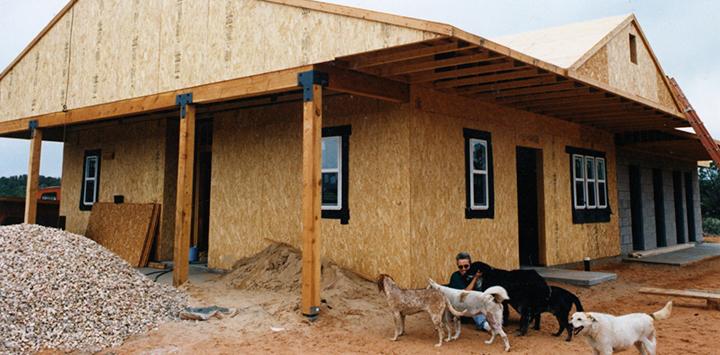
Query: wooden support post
column 33, row 176
column 184, row 203
column 312, row 184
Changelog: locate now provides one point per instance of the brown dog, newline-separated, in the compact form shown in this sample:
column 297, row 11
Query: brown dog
column 406, row 302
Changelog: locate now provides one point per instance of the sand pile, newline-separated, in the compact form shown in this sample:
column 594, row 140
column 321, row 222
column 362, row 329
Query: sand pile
column 63, row 291
column 278, row 268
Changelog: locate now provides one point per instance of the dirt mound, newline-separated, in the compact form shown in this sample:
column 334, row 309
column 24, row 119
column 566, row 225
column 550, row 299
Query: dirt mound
column 63, row 291
column 278, row 268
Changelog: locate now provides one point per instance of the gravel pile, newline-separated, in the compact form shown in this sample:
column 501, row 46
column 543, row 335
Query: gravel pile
column 63, row 291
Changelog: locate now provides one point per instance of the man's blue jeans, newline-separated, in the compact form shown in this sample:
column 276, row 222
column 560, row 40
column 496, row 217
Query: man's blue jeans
column 480, row 322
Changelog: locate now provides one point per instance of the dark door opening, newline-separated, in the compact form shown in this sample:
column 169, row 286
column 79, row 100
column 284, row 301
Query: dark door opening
column 679, row 209
column 201, row 203
column 636, row 208
column 530, row 204
column 659, row 198
column 690, row 207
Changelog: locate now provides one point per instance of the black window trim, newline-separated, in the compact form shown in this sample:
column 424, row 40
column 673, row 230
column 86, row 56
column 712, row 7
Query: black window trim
column 470, row 213
column 344, row 132
column 89, row 153
column 594, row 215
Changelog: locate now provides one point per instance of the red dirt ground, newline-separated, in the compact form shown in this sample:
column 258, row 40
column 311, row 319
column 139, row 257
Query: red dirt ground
column 363, row 324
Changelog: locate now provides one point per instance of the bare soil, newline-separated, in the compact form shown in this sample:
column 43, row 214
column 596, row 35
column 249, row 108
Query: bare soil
column 355, row 318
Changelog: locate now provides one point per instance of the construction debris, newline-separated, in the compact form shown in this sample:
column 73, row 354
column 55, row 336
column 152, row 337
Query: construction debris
column 63, row 291
column 205, row 313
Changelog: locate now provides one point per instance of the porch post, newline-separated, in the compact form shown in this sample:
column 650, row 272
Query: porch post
column 312, row 83
column 183, row 206
column 33, row 175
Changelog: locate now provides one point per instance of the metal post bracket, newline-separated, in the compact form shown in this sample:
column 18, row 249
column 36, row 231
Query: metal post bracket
column 32, row 126
column 183, row 100
column 309, row 78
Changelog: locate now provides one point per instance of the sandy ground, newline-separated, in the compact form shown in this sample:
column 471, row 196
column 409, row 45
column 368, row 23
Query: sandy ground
column 356, row 320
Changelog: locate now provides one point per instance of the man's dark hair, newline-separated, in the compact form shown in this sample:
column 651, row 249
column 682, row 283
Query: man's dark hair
column 463, row 255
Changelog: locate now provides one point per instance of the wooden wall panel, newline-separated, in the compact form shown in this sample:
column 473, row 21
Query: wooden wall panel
column 122, row 49
column 256, row 185
column 596, row 66
column 438, row 186
column 640, row 78
column 132, row 165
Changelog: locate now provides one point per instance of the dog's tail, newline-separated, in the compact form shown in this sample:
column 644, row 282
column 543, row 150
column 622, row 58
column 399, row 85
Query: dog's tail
column 498, row 292
column 578, row 305
column 663, row 313
column 433, row 284
column 454, row 311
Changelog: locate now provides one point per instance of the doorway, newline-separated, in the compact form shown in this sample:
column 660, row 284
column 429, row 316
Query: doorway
column 530, row 198
column 201, row 196
column 679, row 209
column 659, row 198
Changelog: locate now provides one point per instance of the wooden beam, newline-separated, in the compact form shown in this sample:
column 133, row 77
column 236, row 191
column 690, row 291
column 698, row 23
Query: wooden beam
column 184, row 202
column 312, row 186
column 476, row 80
column 356, row 83
column 509, row 85
column 575, row 93
column 568, row 85
column 33, row 177
column 382, row 58
column 256, row 85
column 435, row 64
column 432, row 75
column 583, row 101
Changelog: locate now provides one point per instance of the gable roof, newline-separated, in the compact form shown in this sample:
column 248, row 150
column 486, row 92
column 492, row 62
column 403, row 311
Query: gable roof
column 565, row 45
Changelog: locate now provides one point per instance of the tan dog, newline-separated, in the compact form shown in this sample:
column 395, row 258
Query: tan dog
column 404, row 302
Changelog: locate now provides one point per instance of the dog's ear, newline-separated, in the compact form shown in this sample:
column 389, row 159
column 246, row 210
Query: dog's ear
column 463, row 296
column 590, row 317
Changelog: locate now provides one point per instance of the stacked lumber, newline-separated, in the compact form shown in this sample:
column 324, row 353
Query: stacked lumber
column 126, row 229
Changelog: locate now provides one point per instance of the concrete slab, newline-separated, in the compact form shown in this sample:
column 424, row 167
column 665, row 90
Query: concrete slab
column 574, row 277
column 683, row 257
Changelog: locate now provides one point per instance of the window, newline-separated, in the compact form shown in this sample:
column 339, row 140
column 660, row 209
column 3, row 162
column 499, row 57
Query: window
column 633, row 49
column 478, row 174
column 335, row 156
column 90, row 180
column 49, row 196
column 589, row 186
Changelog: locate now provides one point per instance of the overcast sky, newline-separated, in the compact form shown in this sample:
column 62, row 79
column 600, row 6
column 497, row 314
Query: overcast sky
column 683, row 34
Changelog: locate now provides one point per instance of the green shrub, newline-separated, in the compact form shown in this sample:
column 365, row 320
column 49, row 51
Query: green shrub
column 711, row 226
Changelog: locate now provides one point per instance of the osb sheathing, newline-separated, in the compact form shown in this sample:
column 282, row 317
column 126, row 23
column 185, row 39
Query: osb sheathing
column 256, row 185
column 597, row 66
column 640, row 79
column 132, row 165
column 407, row 186
column 107, row 50
column 438, row 186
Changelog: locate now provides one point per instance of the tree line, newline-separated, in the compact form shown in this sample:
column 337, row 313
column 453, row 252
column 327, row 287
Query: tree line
column 709, row 179
column 14, row 186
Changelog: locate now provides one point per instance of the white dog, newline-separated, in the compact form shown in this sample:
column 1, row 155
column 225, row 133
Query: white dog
column 607, row 333
column 463, row 303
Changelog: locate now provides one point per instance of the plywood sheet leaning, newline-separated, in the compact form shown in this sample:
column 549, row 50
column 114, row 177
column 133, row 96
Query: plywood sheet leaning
column 126, row 229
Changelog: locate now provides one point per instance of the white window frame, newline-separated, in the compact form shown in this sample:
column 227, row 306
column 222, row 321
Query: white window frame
column 590, row 163
column 337, row 170
column 603, row 181
column 87, row 178
column 579, row 179
column 473, row 205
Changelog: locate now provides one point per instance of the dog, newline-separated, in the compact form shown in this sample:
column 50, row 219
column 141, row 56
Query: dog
column 607, row 333
column 526, row 288
column 488, row 303
column 560, row 303
column 404, row 302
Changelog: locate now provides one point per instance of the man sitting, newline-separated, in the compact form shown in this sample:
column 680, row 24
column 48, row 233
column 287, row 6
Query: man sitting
column 462, row 280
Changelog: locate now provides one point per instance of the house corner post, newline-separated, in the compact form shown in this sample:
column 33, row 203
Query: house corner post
column 33, row 175
column 312, row 83
column 184, row 202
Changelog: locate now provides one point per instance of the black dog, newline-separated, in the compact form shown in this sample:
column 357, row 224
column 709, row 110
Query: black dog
column 526, row 288
column 560, row 304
